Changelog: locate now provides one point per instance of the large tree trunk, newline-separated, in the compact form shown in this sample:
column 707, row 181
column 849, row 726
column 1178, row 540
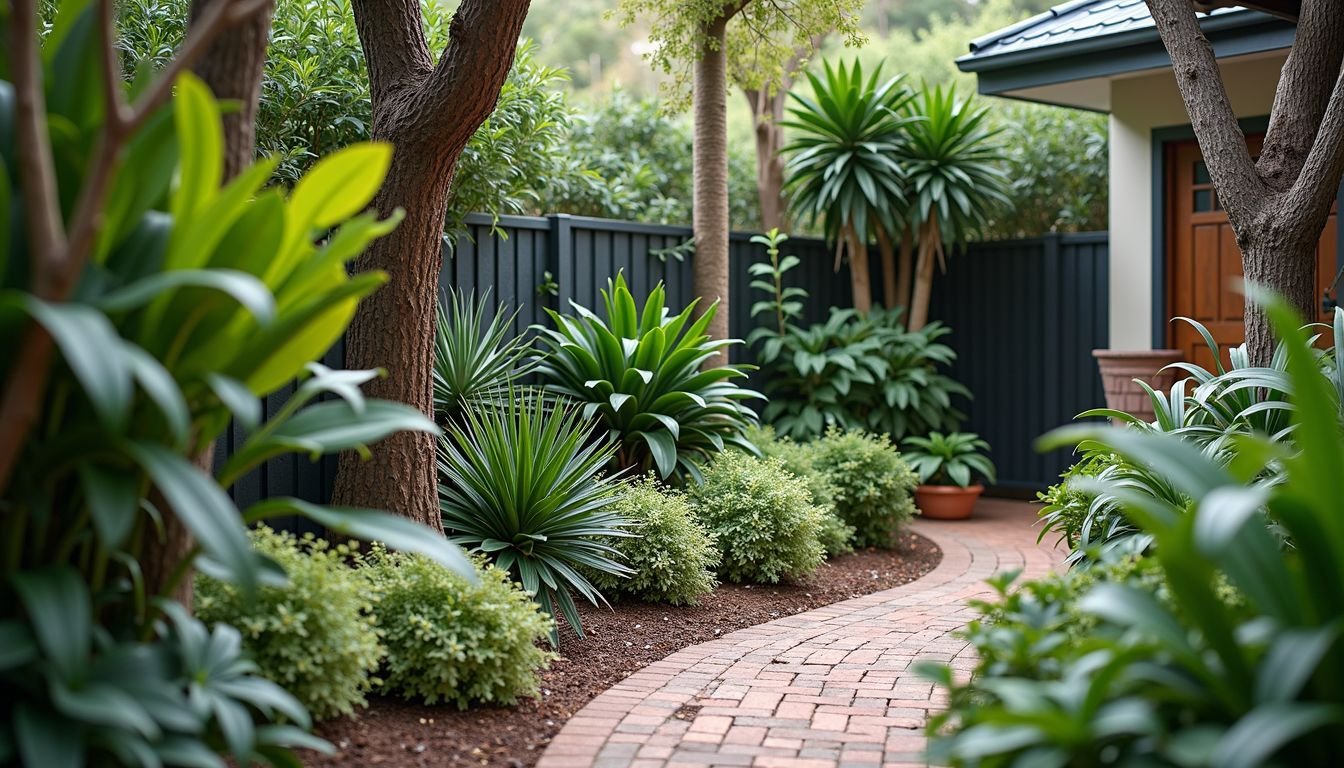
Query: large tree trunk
column 1277, row 205
column 429, row 113
column 232, row 68
column 767, row 112
column 709, row 210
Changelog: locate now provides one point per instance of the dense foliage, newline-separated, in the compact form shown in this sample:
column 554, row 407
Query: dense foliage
column 762, row 518
column 523, row 484
column 638, row 372
column 836, row 535
column 872, row 485
column 1221, row 647
column 315, row 100
column 453, row 639
column 195, row 298
column 626, row 158
column 672, row 555
column 316, row 634
column 1057, row 165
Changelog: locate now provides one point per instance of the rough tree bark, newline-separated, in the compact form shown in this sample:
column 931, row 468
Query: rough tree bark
column 428, row 112
column 709, row 210
column 767, row 110
column 1278, row 205
column 232, row 67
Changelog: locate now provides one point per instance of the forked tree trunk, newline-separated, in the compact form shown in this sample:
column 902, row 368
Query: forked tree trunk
column 930, row 245
column 861, row 283
column 906, row 270
column 890, row 294
column 709, row 210
column 428, row 112
column 232, row 68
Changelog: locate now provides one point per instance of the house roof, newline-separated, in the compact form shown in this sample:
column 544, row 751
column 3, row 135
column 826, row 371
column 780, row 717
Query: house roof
column 1085, row 39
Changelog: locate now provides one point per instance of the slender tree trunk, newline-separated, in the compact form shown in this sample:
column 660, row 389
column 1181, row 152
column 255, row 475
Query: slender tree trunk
column 232, row 68
column 907, row 269
column 428, row 112
column 930, row 242
column 890, row 293
column 709, row 210
column 861, row 283
column 767, row 112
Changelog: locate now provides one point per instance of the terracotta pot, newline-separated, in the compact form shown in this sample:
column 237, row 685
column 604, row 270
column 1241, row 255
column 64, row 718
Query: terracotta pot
column 947, row 502
column 1119, row 368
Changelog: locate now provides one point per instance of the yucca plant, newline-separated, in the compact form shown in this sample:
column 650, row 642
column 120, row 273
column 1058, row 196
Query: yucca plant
column 952, row 162
column 843, row 169
column 952, row 459
column 638, row 373
column 524, row 484
column 474, row 358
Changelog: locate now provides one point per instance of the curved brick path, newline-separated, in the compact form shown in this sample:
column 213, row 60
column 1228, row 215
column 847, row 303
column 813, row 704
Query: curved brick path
column 830, row 687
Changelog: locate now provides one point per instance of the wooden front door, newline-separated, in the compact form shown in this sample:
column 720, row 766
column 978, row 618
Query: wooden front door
column 1203, row 261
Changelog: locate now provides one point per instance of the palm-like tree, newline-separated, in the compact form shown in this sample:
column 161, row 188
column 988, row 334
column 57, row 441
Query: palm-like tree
column 844, row 165
column 951, row 162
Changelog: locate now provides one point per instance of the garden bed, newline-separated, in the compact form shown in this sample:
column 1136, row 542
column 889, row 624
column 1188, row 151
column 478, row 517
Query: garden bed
column 620, row 641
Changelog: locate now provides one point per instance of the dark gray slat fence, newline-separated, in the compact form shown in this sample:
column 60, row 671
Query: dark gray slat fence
column 1025, row 316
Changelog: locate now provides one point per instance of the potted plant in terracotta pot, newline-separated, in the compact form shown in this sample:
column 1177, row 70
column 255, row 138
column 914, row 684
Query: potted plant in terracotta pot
column 947, row 465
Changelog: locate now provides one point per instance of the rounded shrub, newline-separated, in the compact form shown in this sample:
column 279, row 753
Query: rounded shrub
column 836, row 536
column 761, row 517
column 317, row 635
column 871, row 485
column 451, row 640
column 672, row 555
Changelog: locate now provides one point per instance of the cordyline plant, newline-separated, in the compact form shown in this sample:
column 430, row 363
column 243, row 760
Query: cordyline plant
column 639, row 374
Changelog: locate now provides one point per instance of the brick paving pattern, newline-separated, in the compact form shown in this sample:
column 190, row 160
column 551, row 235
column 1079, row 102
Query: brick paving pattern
column 830, row 687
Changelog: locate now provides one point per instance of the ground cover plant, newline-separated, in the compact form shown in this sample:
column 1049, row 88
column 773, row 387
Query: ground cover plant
column 638, row 372
column 762, row 518
column 455, row 639
column 148, row 304
column 523, row 484
column 672, row 556
column 316, row 635
column 1221, row 646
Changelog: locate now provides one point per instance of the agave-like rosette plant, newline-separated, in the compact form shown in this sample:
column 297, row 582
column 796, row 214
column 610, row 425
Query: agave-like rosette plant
column 638, row 373
column 524, row 484
column 474, row 358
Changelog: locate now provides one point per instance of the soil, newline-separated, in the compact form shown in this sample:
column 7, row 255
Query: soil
column 620, row 640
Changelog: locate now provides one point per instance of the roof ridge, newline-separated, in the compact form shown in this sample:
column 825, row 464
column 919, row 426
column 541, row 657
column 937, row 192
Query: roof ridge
column 1055, row 12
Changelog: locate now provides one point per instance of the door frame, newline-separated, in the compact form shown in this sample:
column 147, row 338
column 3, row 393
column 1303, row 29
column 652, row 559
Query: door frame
column 1161, row 137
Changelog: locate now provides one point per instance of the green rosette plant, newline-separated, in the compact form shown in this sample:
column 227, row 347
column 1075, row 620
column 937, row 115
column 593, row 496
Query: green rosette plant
column 474, row 358
column 639, row 374
column 952, row 459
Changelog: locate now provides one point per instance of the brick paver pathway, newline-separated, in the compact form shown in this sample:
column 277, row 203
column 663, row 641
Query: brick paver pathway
column 829, row 687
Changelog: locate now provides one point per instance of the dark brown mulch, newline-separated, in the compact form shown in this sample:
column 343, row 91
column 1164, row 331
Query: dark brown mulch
column 619, row 641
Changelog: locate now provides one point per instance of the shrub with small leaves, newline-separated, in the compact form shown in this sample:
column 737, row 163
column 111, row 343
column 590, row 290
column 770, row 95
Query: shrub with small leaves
column 672, row 555
column 762, row 518
column 872, row 485
column 836, row 536
column 451, row 640
column 317, row 635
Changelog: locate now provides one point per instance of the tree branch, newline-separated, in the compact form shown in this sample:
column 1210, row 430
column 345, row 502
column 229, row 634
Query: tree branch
column 1316, row 185
column 37, row 173
column 1240, row 187
column 392, row 35
column 464, row 87
column 1303, row 92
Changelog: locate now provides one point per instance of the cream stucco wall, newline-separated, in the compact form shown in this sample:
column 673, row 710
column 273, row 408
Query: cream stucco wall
column 1139, row 104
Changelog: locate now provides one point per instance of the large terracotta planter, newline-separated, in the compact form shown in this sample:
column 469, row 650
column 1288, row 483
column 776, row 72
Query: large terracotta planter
column 947, row 502
column 1119, row 368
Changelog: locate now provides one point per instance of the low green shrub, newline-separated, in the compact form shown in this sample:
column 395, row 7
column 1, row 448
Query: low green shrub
column 451, row 640
column 317, row 635
column 836, row 536
column 672, row 555
column 872, row 486
column 798, row 458
column 761, row 517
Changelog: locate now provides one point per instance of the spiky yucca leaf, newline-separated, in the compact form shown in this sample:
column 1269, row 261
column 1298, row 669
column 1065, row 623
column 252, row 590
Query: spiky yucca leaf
column 523, row 484
column 474, row 358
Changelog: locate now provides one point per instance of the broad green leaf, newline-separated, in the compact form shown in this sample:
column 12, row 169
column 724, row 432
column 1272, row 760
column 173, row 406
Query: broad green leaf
column 200, row 135
column 113, row 498
column 339, row 186
column 45, row 740
column 93, row 350
column 59, row 611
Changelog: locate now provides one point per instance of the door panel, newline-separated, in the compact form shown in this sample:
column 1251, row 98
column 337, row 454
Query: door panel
column 1204, row 263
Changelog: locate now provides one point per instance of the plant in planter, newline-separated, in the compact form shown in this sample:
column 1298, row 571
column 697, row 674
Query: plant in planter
column 946, row 465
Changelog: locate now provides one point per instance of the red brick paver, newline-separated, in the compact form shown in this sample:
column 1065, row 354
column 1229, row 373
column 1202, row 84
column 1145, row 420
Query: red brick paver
column 830, row 687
